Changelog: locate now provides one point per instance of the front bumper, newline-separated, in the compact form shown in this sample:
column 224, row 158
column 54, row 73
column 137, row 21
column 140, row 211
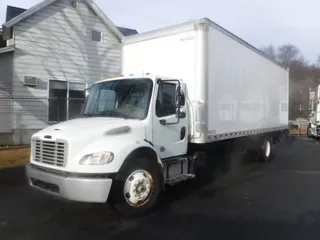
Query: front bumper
column 82, row 189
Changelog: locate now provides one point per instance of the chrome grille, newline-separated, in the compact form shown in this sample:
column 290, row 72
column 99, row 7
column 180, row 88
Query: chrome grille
column 50, row 152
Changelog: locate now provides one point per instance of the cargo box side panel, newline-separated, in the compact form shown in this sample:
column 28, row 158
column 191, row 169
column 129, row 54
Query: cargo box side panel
column 248, row 93
column 169, row 56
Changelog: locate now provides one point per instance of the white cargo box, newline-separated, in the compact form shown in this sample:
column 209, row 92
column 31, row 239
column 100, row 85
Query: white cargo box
column 243, row 92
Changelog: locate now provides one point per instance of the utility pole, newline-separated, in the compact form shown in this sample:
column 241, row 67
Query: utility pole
column 300, row 110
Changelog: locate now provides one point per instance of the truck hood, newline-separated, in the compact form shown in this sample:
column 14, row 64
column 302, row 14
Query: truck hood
column 88, row 128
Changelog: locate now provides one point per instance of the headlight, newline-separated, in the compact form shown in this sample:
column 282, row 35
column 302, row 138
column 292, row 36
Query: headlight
column 97, row 158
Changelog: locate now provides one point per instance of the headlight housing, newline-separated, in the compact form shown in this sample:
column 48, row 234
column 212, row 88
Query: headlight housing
column 100, row 158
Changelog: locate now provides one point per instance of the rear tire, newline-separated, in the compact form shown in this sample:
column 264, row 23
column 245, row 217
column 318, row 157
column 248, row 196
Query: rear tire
column 263, row 153
column 267, row 150
column 136, row 188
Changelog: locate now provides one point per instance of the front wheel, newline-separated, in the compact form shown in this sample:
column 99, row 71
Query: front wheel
column 136, row 188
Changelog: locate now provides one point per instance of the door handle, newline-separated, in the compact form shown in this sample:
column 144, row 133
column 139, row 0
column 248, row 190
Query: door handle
column 182, row 133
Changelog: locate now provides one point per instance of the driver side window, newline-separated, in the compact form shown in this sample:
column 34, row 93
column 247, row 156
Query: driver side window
column 166, row 103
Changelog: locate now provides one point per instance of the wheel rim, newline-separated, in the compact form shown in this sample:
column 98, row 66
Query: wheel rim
column 138, row 188
column 267, row 149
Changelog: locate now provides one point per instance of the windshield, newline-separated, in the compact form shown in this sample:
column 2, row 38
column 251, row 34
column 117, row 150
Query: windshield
column 128, row 98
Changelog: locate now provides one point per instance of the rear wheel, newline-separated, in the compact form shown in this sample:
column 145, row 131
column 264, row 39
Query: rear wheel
column 136, row 188
column 263, row 151
column 266, row 151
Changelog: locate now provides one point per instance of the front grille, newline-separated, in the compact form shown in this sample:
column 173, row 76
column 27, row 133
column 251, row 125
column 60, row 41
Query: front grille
column 50, row 152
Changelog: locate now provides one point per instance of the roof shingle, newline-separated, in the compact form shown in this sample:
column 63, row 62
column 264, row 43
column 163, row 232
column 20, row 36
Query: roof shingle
column 12, row 12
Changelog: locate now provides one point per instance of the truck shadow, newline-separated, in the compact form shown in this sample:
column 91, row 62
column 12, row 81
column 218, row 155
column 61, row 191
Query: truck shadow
column 13, row 176
column 203, row 226
column 226, row 170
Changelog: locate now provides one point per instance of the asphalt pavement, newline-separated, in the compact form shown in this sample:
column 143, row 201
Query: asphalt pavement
column 247, row 200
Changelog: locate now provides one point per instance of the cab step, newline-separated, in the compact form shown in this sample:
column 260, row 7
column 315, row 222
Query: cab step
column 179, row 179
column 177, row 170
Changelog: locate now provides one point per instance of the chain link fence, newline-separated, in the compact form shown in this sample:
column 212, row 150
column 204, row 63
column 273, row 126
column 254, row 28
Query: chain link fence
column 22, row 117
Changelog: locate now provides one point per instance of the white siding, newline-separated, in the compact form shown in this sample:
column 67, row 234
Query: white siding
column 6, row 60
column 55, row 43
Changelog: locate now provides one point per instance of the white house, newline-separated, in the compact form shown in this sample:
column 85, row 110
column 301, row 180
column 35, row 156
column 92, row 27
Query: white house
column 54, row 49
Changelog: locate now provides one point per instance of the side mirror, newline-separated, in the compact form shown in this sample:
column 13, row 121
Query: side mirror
column 87, row 92
column 180, row 114
column 178, row 96
column 178, row 101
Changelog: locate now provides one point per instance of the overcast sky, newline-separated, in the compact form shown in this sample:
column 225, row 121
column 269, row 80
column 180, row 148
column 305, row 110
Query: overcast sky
column 258, row 22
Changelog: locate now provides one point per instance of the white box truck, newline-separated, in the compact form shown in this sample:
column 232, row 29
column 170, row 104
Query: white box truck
column 187, row 91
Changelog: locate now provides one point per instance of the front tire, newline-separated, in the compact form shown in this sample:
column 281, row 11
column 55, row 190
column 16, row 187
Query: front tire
column 136, row 188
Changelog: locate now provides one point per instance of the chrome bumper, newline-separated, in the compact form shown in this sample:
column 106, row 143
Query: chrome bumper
column 70, row 188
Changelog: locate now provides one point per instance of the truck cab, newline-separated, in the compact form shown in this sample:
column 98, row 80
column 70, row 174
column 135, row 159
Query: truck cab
column 116, row 150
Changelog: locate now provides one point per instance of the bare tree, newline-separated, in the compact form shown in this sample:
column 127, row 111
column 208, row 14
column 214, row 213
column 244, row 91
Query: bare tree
column 289, row 54
column 270, row 51
column 318, row 60
column 302, row 74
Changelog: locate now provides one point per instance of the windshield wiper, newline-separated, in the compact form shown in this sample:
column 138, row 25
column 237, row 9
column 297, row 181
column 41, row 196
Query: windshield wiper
column 86, row 114
column 109, row 114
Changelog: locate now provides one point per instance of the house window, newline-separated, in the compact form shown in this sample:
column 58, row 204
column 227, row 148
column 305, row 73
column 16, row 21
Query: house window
column 74, row 4
column 65, row 100
column 96, row 36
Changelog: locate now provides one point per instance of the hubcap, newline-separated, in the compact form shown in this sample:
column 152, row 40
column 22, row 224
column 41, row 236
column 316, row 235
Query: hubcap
column 138, row 188
column 267, row 148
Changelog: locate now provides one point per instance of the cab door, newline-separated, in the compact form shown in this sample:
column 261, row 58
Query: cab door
column 170, row 132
